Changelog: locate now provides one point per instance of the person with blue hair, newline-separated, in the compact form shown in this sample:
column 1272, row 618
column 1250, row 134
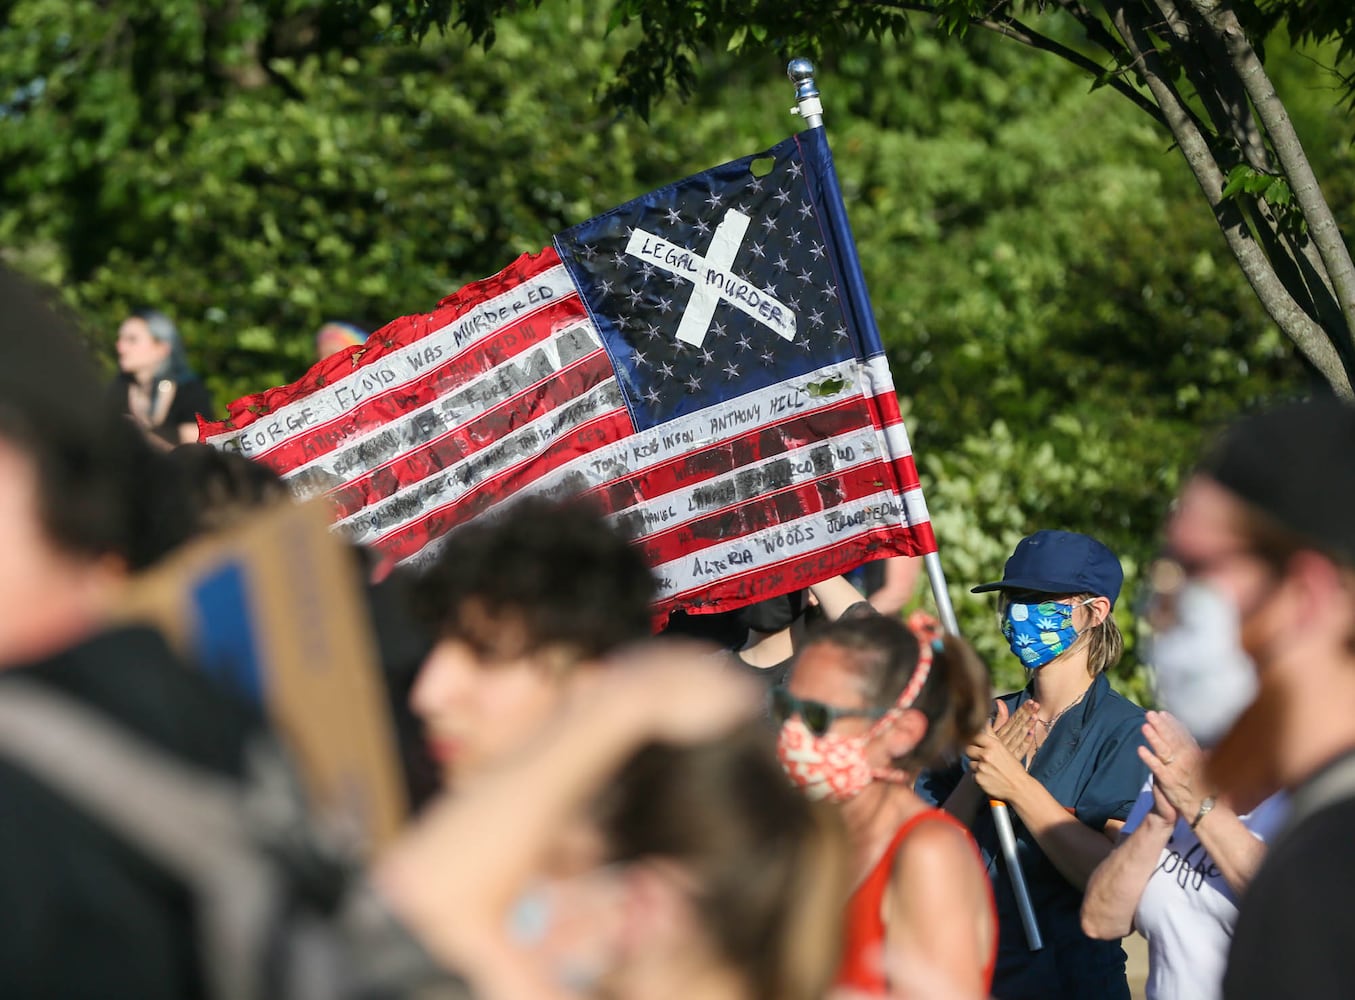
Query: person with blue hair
column 156, row 386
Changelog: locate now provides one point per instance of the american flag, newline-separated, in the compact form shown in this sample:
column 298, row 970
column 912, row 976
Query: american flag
column 701, row 361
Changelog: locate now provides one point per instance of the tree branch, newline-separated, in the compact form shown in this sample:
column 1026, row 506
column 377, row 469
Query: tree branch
column 1307, row 335
column 1322, row 227
column 1207, row 66
column 1014, row 29
column 1096, row 30
column 1300, row 268
column 1011, row 28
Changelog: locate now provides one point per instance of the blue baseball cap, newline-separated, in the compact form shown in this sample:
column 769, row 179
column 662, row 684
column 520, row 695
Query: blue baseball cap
column 1060, row 562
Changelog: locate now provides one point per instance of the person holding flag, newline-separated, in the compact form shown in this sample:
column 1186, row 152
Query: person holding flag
column 1063, row 754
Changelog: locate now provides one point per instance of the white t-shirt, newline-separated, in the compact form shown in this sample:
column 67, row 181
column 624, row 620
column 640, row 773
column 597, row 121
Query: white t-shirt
column 1187, row 910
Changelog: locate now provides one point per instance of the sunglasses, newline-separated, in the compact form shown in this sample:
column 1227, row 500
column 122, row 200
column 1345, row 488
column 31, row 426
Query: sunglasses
column 816, row 716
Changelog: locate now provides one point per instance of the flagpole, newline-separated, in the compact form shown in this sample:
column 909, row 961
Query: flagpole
column 810, row 108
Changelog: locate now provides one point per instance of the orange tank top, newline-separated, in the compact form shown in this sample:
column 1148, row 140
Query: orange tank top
column 862, row 967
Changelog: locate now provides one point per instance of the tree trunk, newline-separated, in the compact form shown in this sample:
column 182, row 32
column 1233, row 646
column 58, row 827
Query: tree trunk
column 1322, row 228
column 1314, row 341
column 1205, row 60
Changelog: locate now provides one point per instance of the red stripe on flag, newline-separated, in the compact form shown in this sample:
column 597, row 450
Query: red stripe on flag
column 906, row 469
column 387, row 406
column 676, row 477
column 477, row 434
column 886, row 407
column 599, row 432
column 700, row 465
column 391, row 337
column 759, row 513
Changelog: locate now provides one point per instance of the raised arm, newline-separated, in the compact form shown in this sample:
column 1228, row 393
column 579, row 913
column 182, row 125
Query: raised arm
column 835, row 595
column 453, row 878
column 901, row 576
column 769, row 650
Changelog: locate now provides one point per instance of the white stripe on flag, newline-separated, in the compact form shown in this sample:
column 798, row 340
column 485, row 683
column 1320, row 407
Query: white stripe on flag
column 402, row 366
column 369, row 525
column 680, row 506
column 759, row 551
column 712, row 425
column 452, row 412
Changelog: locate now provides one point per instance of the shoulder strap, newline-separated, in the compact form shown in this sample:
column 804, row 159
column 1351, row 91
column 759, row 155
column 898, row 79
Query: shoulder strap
column 883, row 868
column 188, row 820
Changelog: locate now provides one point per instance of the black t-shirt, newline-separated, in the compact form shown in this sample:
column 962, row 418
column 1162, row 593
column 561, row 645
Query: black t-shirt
column 730, row 628
column 403, row 643
column 87, row 915
column 1295, row 926
column 190, row 399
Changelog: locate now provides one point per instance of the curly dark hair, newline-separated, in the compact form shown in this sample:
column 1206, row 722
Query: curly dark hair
column 555, row 569
column 225, row 488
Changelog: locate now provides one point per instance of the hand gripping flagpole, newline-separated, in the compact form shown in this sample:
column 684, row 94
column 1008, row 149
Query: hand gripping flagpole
column 810, row 108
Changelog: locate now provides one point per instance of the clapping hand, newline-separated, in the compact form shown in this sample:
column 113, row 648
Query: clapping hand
column 999, row 754
column 1016, row 730
column 1176, row 763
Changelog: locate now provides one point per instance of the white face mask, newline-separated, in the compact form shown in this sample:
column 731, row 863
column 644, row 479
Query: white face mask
column 1204, row 677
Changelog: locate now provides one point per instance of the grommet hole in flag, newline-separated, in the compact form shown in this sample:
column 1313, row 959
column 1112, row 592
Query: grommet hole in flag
column 700, row 361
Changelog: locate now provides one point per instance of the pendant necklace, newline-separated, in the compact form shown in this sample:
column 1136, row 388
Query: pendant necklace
column 1049, row 726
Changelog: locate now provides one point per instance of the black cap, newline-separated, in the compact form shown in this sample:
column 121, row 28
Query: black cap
column 1296, row 464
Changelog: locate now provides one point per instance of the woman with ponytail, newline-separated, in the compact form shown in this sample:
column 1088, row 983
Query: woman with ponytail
column 867, row 707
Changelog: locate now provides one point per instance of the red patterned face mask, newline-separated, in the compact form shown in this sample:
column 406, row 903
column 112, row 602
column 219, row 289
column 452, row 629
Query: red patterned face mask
column 826, row 767
column 834, row 767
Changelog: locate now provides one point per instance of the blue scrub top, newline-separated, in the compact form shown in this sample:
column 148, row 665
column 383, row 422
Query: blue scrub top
column 1090, row 764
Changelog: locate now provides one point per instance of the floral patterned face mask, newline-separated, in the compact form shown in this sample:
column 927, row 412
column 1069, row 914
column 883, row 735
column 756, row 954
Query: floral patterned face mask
column 1040, row 633
column 828, row 767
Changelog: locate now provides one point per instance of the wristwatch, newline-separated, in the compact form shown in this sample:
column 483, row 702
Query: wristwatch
column 1206, row 804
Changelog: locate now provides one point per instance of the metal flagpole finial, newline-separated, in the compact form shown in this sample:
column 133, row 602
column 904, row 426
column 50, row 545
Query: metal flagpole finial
column 807, row 106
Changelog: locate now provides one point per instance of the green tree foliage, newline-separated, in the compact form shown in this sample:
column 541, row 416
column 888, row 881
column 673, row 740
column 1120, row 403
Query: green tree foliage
column 1194, row 66
column 1061, row 319
column 257, row 173
column 1064, row 335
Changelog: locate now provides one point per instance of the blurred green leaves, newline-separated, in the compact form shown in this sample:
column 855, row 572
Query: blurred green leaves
column 1062, row 319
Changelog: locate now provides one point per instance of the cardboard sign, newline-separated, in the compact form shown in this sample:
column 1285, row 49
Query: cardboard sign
column 275, row 610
